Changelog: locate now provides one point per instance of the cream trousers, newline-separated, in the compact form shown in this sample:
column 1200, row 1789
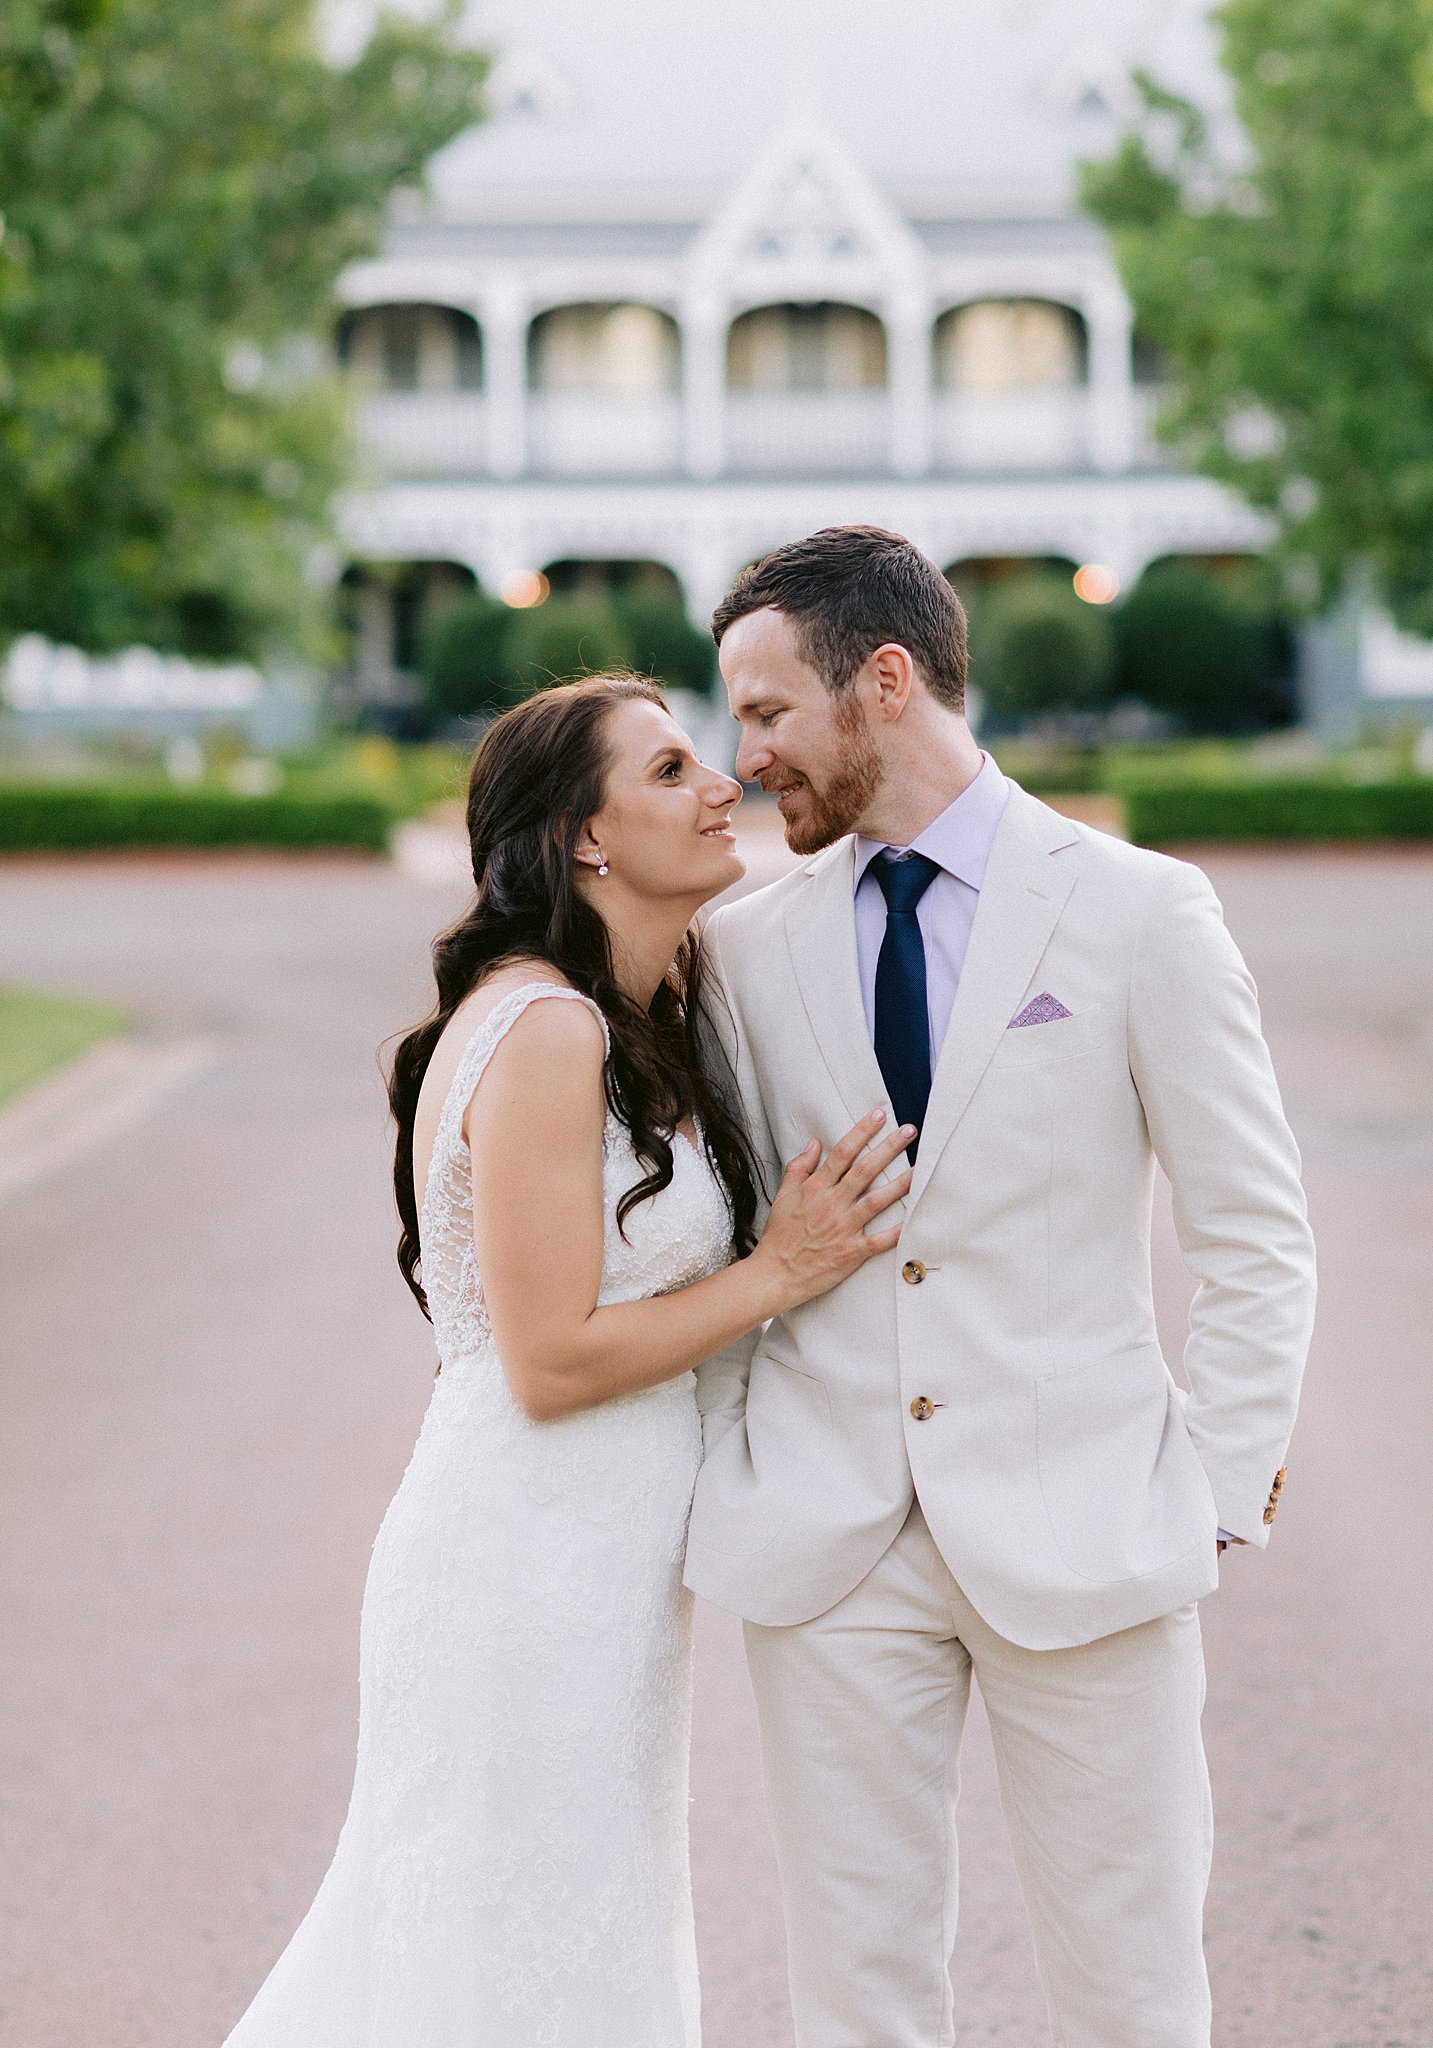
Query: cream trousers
column 1102, row 1779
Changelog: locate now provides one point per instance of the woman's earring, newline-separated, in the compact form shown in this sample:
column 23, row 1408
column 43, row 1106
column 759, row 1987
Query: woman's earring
column 602, row 867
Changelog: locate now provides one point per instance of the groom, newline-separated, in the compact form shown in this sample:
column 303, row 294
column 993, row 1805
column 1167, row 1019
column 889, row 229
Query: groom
column 969, row 1461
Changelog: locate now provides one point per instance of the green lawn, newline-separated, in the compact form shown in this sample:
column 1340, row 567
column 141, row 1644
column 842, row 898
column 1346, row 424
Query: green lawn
column 39, row 1031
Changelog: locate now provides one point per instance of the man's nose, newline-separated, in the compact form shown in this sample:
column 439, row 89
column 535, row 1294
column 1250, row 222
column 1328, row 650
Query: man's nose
column 753, row 757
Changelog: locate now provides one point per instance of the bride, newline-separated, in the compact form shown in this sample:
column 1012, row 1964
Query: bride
column 578, row 1210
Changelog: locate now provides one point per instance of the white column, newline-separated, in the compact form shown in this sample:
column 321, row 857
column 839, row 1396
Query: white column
column 504, row 318
column 1116, row 545
column 1111, row 392
column 707, row 574
column 703, row 325
column 374, row 652
column 908, row 331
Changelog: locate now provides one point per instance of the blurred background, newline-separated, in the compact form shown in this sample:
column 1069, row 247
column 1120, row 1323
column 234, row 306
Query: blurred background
column 361, row 373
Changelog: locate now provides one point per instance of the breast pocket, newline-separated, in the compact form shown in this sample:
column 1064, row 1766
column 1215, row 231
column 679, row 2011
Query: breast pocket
column 1040, row 1045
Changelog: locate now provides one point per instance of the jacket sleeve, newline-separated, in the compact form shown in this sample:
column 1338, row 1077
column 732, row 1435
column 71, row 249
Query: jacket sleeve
column 721, row 1380
column 1211, row 1102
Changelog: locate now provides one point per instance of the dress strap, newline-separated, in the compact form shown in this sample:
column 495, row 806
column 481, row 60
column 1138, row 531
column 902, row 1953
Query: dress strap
column 485, row 1042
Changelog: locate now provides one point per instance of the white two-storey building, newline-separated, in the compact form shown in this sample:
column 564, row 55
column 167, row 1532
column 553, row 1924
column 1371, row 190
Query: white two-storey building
column 712, row 276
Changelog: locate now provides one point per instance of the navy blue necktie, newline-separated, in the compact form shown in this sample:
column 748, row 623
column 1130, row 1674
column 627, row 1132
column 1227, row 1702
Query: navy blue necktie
column 902, row 1020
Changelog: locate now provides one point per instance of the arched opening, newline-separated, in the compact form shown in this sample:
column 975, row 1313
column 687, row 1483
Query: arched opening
column 418, row 372
column 820, row 347
column 1010, row 380
column 1037, row 654
column 384, row 610
column 998, row 346
column 603, row 381
column 590, row 576
column 806, row 390
column 576, row 617
column 621, row 350
column 1204, row 640
column 1238, row 568
column 412, row 348
column 628, row 613
column 975, row 575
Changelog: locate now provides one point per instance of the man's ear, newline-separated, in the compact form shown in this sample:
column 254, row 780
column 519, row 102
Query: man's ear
column 894, row 674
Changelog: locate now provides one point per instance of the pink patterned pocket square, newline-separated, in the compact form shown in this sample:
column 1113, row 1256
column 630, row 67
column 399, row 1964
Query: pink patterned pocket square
column 1043, row 1009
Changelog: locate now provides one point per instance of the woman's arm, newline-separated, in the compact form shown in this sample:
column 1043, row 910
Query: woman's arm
column 534, row 1129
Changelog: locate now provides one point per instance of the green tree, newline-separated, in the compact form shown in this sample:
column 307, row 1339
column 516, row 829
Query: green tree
column 480, row 656
column 181, row 182
column 1200, row 647
column 565, row 637
column 1036, row 647
column 1286, row 281
column 465, row 661
column 662, row 642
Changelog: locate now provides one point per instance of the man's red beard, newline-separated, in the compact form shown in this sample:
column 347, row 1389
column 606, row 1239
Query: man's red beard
column 828, row 814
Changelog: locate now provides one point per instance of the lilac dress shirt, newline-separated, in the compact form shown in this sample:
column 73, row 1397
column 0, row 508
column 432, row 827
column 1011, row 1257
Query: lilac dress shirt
column 959, row 842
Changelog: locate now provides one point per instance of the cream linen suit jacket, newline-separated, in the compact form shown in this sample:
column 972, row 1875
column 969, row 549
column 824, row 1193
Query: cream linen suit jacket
column 1072, row 1488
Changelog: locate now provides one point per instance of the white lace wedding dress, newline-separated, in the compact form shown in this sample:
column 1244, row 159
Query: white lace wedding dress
column 513, row 1870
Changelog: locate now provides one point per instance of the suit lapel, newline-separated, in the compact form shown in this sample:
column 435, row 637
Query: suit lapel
column 821, row 933
column 1021, row 898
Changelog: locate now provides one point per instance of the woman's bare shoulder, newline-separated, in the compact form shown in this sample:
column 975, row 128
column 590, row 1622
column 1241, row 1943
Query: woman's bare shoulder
column 557, row 1048
column 478, row 1005
column 573, row 1025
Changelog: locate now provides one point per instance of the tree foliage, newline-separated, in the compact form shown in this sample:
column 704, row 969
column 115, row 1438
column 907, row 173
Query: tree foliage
column 181, row 182
column 661, row 641
column 1036, row 648
column 567, row 636
column 479, row 656
column 464, row 658
column 1202, row 648
column 1287, row 282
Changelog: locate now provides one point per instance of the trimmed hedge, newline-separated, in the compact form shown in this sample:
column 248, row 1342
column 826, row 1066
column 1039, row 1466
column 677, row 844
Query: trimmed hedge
column 74, row 817
column 1035, row 646
column 1165, row 813
column 1050, row 770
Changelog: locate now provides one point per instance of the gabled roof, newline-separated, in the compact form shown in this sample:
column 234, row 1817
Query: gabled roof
column 657, row 109
column 811, row 221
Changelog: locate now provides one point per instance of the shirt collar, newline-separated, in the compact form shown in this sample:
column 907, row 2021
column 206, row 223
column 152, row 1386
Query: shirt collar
column 960, row 839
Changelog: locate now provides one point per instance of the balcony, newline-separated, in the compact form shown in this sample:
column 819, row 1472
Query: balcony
column 425, row 433
column 588, row 433
column 807, row 433
column 570, row 434
column 1019, row 431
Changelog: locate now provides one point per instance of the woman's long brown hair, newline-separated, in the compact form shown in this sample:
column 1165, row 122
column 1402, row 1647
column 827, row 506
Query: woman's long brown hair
column 539, row 774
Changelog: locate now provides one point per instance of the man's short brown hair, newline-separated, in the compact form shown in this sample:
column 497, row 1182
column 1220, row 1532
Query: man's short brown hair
column 848, row 590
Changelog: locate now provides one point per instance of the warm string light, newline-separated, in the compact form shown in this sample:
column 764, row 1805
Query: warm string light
column 524, row 588
column 1096, row 584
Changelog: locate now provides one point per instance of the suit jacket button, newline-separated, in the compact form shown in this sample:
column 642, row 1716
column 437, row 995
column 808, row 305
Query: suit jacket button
column 922, row 1409
column 913, row 1272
